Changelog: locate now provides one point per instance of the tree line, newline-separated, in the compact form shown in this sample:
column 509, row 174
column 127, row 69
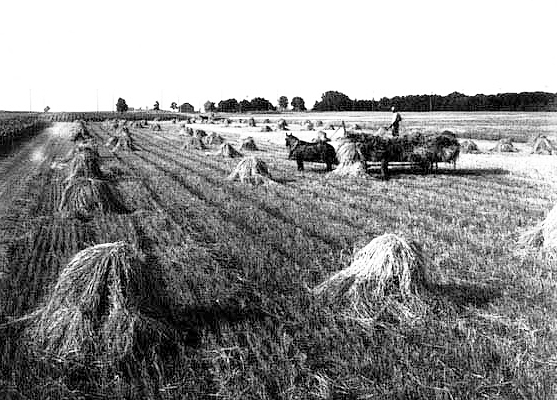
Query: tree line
column 525, row 101
column 337, row 101
column 257, row 104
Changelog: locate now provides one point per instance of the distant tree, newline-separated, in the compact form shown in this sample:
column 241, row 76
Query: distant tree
column 334, row 101
column 46, row 109
column 174, row 106
column 186, row 108
column 209, row 106
column 261, row 104
column 121, row 105
column 156, row 106
column 230, row 106
column 244, row 106
column 298, row 104
column 283, row 103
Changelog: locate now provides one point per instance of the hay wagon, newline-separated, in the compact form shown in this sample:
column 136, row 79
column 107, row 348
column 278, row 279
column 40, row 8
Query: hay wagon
column 415, row 151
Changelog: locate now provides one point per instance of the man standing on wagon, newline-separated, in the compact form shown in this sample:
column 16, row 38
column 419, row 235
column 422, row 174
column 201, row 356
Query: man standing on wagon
column 395, row 121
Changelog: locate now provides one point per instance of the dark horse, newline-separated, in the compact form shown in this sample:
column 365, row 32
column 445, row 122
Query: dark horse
column 377, row 149
column 314, row 152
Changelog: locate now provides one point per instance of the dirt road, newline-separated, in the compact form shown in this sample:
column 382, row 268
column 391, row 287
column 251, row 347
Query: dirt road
column 23, row 172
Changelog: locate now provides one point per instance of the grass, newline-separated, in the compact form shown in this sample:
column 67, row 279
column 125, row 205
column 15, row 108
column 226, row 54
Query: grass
column 237, row 261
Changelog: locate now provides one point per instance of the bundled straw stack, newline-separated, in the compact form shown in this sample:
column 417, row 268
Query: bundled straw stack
column 84, row 162
column 251, row 170
column 193, row 143
column 102, row 310
column 226, row 150
column 213, row 138
column 266, row 128
column 248, row 144
column 469, row 147
column 83, row 196
column 504, row 146
column 386, row 276
column 543, row 235
column 85, row 191
column 542, row 145
column 282, row 125
column 122, row 141
column 79, row 131
column 350, row 160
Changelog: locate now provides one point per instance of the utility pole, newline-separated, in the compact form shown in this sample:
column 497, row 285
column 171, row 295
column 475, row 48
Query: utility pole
column 97, row 101
column 30, row 100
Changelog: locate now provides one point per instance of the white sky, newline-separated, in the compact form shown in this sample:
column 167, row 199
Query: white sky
column 61, row 53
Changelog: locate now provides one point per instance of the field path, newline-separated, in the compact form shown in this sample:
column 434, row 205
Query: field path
column 24, row 175
column 20, row 166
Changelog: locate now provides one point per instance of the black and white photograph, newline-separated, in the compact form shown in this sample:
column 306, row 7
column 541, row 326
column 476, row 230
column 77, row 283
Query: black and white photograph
column 283, row 200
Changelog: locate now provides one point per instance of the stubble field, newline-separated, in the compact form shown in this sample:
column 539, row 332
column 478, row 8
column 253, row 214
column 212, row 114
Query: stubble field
column 237, row 262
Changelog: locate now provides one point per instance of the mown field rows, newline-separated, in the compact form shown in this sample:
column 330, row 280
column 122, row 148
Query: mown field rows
column 237, row 260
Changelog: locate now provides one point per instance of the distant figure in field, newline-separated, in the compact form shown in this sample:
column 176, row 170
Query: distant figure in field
column 395, row 122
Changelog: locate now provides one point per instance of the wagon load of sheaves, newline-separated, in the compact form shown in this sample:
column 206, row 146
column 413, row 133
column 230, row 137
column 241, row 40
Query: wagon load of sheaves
column 417, row 148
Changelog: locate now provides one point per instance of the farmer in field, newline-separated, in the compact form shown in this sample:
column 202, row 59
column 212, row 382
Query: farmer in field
column 395, row 121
